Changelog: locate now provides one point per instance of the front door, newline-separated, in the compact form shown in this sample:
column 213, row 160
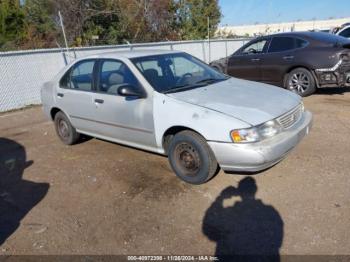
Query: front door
column 246, row 64
column 125, row 119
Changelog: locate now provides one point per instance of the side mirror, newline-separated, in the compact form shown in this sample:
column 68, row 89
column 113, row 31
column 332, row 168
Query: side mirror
column 252, row 51
column 130, row 91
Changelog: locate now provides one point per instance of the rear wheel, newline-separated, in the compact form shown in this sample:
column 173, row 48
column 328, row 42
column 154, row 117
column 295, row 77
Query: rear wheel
column 191, row 158
column 301, row 81
column 64, row 129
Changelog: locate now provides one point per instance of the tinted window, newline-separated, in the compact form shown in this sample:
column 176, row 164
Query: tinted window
column 255, row 48
column 79, row 76
column 345, row 33
column 115, row 74
column 300, row 43
column 280, row 44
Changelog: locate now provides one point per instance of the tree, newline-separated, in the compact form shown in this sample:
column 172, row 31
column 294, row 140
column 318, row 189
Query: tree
column 41, row 29
column 193, row 18
column 12, row 26
column 35, row 23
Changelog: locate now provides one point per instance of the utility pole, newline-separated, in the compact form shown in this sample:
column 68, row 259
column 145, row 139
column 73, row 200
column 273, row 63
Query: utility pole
column 209, row 52
column 63, row 31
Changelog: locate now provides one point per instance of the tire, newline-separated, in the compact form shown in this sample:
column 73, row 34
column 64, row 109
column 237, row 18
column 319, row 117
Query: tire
column 218, row 68
column 301, row 81
column 64, row 129
column 191, row 158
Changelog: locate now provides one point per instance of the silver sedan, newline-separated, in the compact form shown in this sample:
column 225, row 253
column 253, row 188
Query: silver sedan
column 173, row 104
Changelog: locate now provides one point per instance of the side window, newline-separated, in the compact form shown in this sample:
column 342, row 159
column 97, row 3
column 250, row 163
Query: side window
column 115, row 74
column 79, row 77
column 65, row 80
column 280, row 44
column 345, row 33
column 255, row 48
column 300, row 43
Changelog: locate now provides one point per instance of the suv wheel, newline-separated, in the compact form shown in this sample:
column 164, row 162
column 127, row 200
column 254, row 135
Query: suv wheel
column 301, row 81
column 191, row 158
column 64, row 129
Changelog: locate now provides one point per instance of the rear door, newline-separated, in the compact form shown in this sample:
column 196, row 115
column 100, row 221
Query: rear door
column 76, row 92
column 246, row 63
column 282, row 54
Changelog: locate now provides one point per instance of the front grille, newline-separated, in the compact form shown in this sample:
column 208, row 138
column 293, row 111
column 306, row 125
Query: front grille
column 292, row 117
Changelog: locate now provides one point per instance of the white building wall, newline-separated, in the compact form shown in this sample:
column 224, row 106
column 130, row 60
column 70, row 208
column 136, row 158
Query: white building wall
column 263, row 29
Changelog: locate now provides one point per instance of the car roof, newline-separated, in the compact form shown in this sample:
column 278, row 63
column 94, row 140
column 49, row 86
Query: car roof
column 132, row 53
column 296, row 34
column 315, row 37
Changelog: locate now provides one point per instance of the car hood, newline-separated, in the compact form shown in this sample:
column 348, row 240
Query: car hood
column 251, row 102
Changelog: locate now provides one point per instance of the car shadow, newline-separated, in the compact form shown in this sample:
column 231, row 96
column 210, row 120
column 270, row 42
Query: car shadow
column 333, row 91
column 17, row 196
column 249, row 229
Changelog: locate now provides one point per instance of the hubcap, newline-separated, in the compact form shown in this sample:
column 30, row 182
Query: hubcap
column 63, row 128
column 299, row 82
column 187, row 159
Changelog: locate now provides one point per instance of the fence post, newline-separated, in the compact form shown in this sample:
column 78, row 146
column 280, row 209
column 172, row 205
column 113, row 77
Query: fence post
column 203, row 49
column 64, row 58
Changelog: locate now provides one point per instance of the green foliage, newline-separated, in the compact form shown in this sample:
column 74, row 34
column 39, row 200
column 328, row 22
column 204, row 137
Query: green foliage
column 41, row 30
column 193, row 18
column 35, row 23
column 12, row 24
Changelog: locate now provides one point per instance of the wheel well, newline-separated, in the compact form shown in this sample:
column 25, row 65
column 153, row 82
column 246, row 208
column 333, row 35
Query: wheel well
column 53, row 112
column 295, row 67
column 291, row 69
column 171, row 132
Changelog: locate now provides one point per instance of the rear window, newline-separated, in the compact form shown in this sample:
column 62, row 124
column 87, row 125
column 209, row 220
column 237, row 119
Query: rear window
column 329, row 38
column 345, row 33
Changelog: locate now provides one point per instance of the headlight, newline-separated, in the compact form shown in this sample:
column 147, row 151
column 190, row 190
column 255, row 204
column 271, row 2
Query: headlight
column 255, row 134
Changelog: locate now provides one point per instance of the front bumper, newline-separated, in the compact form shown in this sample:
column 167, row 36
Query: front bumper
column 262, row 155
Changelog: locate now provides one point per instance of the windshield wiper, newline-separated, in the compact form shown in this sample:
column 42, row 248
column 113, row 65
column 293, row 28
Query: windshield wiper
column 183, row 88
column 211, row 80
column 200, row 83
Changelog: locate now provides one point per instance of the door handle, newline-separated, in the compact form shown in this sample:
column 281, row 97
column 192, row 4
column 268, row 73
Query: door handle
column 288, row 57
column 60, row 95
column 255, row 59
column 99, row 101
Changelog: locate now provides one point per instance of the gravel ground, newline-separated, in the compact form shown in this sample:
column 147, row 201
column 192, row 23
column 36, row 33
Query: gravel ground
column 102, row 198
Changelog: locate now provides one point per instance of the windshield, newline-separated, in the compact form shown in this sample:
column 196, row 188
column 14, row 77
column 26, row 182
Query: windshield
column 176, row 72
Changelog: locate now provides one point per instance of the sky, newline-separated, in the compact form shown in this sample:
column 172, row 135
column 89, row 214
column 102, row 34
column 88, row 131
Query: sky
column 242, row 12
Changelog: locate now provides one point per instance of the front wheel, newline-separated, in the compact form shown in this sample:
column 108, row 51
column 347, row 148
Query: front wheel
column 301, row 81
column 191, row 158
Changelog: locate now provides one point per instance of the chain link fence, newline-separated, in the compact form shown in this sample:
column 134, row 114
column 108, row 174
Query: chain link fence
column 24, row 72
